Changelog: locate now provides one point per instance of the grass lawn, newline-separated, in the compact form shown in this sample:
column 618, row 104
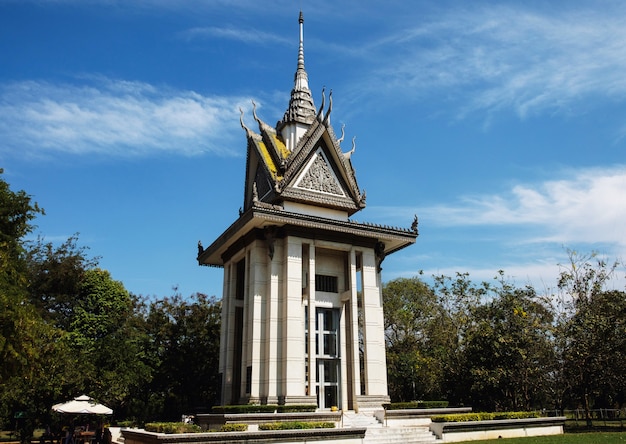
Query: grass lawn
column 568, row 438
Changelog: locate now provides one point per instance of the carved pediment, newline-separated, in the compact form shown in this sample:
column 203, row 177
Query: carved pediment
column 318, row 176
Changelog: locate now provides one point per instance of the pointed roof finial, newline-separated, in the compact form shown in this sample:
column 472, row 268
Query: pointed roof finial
column 301, row 47
column 301, row 108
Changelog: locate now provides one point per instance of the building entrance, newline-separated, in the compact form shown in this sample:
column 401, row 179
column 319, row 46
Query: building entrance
column 327, row 358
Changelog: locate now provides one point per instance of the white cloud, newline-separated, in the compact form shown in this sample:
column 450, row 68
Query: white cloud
column 588, row 206
column 115, row 118
column 495, row 58
column 236, row 33
column 524, row 230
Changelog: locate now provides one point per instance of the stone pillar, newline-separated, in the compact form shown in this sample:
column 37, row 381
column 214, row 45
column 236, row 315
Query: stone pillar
column 293, row 326
column 374, row 337
column 310, row 277
column 226, row 319
column 272, row 341
column 254, row 323
column 353, row 349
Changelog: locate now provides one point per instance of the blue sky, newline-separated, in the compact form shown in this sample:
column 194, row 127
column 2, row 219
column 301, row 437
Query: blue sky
column 502, row 125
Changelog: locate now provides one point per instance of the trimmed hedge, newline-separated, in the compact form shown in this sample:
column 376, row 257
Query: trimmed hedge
column 290, row 425
column 464, row 417
column 172, row 427
column 269, row 408
column 417, row 405
column 234, row 428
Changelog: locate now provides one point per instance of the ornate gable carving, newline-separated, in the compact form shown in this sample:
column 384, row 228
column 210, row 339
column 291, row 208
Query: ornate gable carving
column 318, row 176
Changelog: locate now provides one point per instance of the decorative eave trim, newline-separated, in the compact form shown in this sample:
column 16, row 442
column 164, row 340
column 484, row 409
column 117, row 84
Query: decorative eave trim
column 275, row 147
column 325, row 200
column 263, row 214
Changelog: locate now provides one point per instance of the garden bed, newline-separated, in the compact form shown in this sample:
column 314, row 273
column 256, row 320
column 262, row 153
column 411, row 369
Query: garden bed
column 318, row 436
column 213, row 421
column 497, row 428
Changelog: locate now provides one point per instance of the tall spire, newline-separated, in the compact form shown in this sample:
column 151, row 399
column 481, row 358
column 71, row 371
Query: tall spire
column 301, row 47
column 301, row 108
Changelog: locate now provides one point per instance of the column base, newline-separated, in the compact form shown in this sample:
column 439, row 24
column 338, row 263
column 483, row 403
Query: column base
column 291, row 400
column 371, row 402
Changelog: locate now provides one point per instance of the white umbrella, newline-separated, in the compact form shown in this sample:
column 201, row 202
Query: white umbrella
column 82, row 405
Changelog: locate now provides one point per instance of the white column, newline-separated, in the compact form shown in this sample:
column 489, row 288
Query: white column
column 354, row 328
column 311, row 327
column 255, row 320
column 274, row 271
column 373, row 330
column 226, row 348
column 293, row 325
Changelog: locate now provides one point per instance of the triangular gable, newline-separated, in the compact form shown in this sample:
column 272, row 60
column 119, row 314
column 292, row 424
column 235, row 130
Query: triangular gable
column 339, row 189
column 319, row 177
column 316, row 172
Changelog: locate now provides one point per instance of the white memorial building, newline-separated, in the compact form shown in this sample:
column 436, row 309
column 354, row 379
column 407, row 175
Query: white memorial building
column 302, row 313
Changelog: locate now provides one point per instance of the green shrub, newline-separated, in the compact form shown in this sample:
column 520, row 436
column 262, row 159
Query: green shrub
column 244, row 408
column 483, row 416
column 297, row 408
column 290, row 425
column 417, row 405
column 126, row 423
column 234, row 428
column 172, row 427
column 269, row 408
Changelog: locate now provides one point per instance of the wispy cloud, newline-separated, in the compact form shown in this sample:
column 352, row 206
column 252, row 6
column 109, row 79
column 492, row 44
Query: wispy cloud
column 236, row 33
column 495, row 58
column 583, row 209
column 114, row 118
column 589, row 206
column 525, row 230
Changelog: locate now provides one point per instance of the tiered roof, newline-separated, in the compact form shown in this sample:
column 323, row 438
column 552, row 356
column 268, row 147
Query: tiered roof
column 299, row 180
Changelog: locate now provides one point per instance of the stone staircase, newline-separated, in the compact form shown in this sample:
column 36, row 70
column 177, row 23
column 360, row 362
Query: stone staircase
column 399, row 435
column 377, row 434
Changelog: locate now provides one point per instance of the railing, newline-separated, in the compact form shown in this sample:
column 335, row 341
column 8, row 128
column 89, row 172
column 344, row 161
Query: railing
column 604, row 415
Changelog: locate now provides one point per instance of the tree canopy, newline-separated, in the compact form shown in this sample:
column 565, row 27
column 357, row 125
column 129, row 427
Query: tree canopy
column 67, row 327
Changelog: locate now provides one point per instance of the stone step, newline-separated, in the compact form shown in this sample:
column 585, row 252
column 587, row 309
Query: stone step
column 360, row 420
column 404, row 435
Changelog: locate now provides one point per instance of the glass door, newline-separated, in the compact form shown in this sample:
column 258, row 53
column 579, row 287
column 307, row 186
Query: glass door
column 327, row 358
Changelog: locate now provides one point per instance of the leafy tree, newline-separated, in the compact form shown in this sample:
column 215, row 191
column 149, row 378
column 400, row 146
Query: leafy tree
column 508, row 350
column 411, row 314
column 592, row 333
column 458, row 298
column 102, row 336
column 26, row 342
column 55, row 277
column 183, row 345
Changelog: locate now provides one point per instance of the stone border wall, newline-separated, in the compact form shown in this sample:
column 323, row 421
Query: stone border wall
column 414, row 417
column 317, row 436
column 498, row 428
column 213, row 421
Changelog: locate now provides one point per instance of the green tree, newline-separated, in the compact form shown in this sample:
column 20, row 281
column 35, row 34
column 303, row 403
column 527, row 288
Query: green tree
column 104, row 339
column 458, row 299
column 27, row 343
column 592, row 333
column 56, row 273
column 411, row 314
column 508, row 352
column 183, row 344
